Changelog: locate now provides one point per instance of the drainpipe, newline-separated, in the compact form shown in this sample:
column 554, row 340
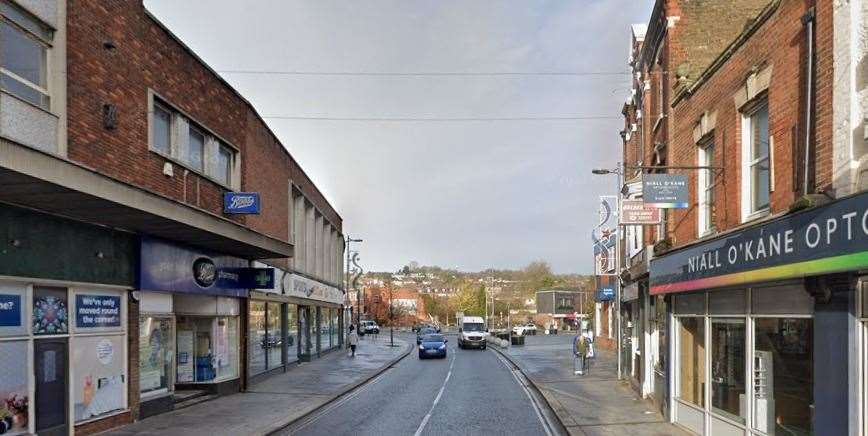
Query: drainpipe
column 808, row 23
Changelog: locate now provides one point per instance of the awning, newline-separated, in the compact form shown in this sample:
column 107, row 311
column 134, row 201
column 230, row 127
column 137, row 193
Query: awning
column 41, row 181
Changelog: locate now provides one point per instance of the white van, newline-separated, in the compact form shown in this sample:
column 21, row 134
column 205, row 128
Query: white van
column 471, row 332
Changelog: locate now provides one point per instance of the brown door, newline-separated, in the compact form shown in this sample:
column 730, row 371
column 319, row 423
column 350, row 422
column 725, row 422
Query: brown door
column 50, row 366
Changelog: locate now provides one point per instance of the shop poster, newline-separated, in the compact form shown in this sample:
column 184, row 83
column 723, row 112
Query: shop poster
column 94, row 311
column 99, row 380
column 14, row 402
column 185, row 356
column 151, row 353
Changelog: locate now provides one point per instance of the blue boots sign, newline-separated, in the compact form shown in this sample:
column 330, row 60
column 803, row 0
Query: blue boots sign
column 241, row 203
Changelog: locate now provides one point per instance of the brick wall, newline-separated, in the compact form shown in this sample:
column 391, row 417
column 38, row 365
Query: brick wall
column 116, row 53
column 779, row 43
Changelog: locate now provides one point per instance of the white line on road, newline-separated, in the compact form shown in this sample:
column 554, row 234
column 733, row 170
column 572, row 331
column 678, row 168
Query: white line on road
column 436, row 399
column 536, row 408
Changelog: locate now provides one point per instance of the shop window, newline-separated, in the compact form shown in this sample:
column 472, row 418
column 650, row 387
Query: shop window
column 336, row 327
column 24, row 43
column 99, row 383
column 156, row 348
column 256, row 337
column 786, row 299
column 274, row 336
column 691, row 353
column 226, row 347
column 690, row 304
column 50, row 311
column 14, row 395
column 727, row 302
column 783, row 375
column 291, row 333
column 728, row 367
column 13, row 319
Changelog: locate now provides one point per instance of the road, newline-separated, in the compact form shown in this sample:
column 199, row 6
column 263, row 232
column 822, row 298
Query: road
column 470, row 392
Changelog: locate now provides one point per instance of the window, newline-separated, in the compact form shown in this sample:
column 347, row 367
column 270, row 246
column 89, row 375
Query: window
column 204, row 152
column 156, row 349
column 24, row 43
column 196, row 150
column 705, row 190
column 728, row 367
column 783, row 371
column 257, row 341
column 223, row 166
column 162, row 134
column 274, row 336
column 755, row 162
column 691, row 354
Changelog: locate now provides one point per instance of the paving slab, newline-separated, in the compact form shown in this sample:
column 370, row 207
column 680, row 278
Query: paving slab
column 279, row 400
column 594, row 404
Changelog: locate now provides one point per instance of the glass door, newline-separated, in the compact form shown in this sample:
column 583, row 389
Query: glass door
column 50, row 366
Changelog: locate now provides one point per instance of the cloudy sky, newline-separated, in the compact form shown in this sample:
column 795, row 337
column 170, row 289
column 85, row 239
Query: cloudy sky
column 462, row 192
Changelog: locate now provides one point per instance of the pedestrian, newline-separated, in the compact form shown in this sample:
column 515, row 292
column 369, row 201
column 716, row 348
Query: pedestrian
column 353, row 340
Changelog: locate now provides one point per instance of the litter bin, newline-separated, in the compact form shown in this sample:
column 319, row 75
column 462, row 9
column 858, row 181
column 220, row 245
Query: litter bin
column 518, row 340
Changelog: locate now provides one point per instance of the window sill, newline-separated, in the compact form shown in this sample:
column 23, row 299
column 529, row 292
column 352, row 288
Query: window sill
column 756, row 215
column 35, row 106
column 187, row 167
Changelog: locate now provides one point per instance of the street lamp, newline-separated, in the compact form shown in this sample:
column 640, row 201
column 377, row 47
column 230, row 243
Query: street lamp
column 618, row 173
column 347, row 287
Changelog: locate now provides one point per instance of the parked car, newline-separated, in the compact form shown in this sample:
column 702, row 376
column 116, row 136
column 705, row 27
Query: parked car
column 524, row 330
column 432, row 345
column 422, row 332
column 370, row 327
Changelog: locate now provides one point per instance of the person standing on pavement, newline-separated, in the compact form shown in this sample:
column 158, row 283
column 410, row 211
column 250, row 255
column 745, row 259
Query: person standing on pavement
column 353, row 340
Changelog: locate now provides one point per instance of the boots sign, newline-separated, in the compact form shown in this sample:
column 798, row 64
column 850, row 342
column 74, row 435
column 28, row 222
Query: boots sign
column 824, row 240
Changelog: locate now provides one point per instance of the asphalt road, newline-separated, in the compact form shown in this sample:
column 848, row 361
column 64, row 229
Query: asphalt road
column 471, row 392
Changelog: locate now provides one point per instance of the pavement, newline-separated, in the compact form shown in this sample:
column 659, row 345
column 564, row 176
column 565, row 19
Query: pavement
column 277, row 401
column 471, row 392
column 594, row 404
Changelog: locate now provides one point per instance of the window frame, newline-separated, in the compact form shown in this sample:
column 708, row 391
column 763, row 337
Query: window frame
column 44, row 41
column 748, row 163
column 193, row 130
column 178, row 154
column 705, row 184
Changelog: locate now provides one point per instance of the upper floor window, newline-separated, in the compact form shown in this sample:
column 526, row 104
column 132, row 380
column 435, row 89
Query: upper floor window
column 202, row 151
column 705, row 191
column 755, row 161
column 24, row 43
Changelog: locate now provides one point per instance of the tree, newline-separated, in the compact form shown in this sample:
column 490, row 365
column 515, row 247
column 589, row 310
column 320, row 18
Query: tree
column 471, row 300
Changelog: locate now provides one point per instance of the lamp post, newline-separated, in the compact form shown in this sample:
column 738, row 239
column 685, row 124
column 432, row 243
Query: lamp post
column 347, row 242
column 618, row 173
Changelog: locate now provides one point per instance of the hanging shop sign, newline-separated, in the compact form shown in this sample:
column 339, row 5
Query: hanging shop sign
column 824, row 240
column 605, row 294
column 665, row 191
column 164, row 266
column 92, row 311
column 289, row 284
column 10, row 310
column 241, row 203
column 637, row 212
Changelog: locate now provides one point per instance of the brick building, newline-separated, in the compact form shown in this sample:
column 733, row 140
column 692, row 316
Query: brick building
column 741, row 313
column 118, row 147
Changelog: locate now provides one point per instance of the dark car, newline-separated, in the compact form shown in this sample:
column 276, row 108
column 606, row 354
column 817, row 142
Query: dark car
column 432, row 345
column 422, row 332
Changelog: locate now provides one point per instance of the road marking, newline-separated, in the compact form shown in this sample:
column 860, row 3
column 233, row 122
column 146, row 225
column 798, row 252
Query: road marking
column 436, row 399
column 536, row 408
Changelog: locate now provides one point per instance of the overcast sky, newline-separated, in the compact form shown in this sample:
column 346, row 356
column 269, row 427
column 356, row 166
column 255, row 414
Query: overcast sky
column 465, row 194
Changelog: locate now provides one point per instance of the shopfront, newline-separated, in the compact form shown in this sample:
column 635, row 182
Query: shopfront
column 190, row 307
column 295, row 320
column 761, row 325
column 63, row 324
column 631, row 332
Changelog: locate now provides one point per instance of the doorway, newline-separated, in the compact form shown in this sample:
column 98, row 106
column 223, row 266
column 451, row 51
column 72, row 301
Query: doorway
column 50, row 367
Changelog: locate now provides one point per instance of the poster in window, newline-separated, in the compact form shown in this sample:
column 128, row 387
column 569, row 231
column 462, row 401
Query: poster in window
column 50, row 315
column 13, row 387
column 99, row 383
column 155, row 346
column 97, row 311
column 185, row 353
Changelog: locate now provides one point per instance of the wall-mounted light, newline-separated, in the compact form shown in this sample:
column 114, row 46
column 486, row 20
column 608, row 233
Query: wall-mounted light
column 15, row 243
column 100, row 255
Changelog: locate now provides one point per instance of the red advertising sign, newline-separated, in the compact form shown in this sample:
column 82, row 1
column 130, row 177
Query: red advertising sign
column 636, row 212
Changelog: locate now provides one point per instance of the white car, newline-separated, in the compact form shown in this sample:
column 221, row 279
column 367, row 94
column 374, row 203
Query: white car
column 524, row 330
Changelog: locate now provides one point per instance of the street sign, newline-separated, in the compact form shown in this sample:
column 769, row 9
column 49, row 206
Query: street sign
column 637, row 212
column 665, row 191
column 241, row 203
column 605, row 294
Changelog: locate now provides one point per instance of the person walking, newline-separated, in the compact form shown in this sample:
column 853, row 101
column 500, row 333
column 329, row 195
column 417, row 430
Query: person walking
column 353, row 340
